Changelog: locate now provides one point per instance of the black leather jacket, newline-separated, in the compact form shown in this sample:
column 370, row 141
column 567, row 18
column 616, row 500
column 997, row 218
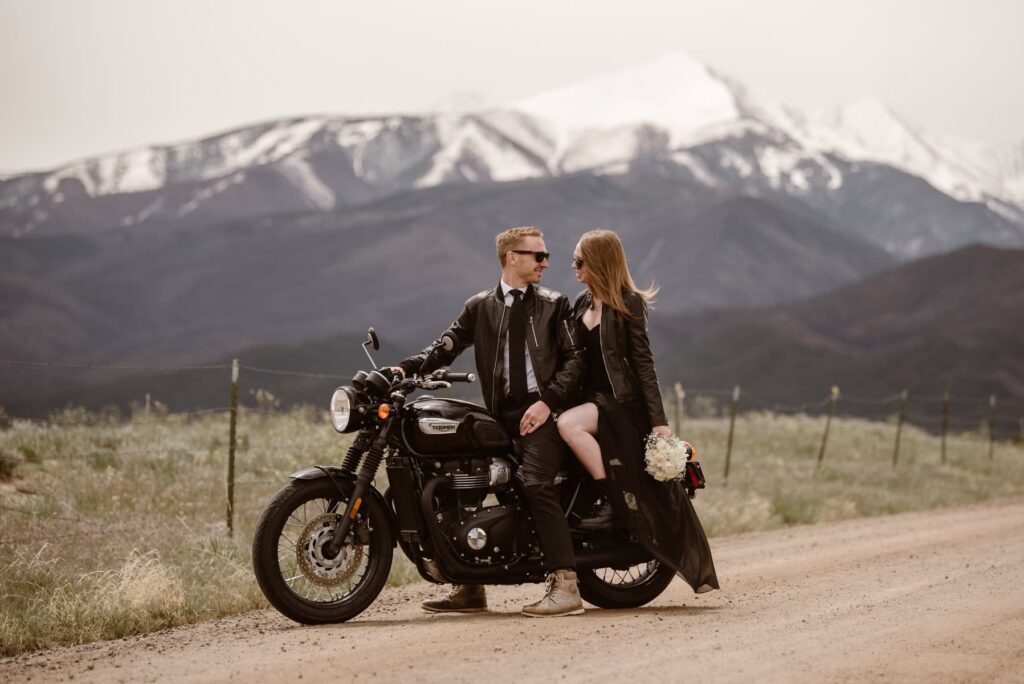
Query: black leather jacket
column 483, row 323
column 626, row 350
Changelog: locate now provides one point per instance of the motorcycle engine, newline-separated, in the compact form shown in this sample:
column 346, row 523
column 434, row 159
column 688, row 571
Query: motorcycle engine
column 483, row 534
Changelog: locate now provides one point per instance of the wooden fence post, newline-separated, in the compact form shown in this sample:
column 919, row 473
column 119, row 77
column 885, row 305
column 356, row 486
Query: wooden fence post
column 991, row 426
column 680, row 395
column 945, row 423
column 732, row 426
column 232, row 441
column 147, row 404
column 828, row 423
column 899, row 427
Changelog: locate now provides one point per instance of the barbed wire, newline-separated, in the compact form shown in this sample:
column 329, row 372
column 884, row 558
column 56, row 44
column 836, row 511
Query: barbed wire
column 789, row 408
column 713, row 392
column 847, row 399
column 747, row 400
column 100, row 366
column 254, row 409
column 274, row 371
column 198, row 412
column 965, row 398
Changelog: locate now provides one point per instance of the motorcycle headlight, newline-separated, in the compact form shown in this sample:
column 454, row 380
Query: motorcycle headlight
column 342, row 406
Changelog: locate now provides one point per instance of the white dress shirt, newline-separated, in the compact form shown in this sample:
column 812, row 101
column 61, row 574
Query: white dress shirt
column 531, row 379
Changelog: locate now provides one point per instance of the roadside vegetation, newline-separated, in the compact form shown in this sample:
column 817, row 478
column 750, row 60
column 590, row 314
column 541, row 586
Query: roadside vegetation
column 111, row 527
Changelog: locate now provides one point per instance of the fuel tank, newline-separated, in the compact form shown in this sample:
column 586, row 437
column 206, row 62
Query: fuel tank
column 451, row 427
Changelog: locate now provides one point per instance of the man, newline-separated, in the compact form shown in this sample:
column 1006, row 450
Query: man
column 528, row 364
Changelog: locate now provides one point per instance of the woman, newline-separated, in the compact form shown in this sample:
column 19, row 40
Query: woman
column 621, row 406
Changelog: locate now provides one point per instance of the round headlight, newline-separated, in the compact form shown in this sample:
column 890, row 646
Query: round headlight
column 341, row 409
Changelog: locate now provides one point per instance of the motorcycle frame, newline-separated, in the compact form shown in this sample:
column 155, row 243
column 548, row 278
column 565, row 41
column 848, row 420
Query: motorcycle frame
column 414, row 517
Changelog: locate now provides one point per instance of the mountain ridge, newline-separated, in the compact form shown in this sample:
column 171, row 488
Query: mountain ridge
column 326, row 162
column 909, row 327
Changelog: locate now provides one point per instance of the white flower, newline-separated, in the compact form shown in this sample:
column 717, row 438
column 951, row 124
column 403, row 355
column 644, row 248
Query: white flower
column 665, row 457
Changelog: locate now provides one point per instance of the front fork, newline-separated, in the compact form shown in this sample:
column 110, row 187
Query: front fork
column 367, row 472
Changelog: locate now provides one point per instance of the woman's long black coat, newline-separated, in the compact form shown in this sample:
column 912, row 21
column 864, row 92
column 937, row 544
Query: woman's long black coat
column 660, row 513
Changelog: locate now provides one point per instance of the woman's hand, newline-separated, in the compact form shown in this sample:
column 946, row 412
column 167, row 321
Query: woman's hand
column 661, row 431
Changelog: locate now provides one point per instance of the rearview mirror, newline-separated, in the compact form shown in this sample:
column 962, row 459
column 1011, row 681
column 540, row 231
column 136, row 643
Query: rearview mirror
column 371, row 339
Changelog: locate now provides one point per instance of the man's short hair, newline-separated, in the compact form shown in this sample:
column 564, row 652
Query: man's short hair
column 510, row 239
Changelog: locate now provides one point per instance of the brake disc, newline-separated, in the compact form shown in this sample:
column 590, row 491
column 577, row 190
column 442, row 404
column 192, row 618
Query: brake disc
column 315, row 566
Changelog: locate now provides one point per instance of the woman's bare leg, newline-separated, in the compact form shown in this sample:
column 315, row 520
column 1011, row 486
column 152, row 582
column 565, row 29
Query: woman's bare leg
column 578, row 427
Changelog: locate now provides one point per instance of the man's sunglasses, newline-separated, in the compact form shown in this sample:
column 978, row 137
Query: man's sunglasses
column 539, row 256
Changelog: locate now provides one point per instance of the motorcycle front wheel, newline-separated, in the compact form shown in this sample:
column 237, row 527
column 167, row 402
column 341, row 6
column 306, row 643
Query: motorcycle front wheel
column 294, row 569
column 624, row 587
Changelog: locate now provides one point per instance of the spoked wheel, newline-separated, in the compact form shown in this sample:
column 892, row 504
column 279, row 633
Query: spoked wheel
column 295, row 570
column 629, row 587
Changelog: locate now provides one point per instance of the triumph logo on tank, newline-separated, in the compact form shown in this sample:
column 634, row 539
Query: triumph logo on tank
column 437, row 426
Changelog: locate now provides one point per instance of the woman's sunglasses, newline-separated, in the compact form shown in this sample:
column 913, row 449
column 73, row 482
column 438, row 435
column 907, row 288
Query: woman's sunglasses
column 577, row 262
column 539, row 256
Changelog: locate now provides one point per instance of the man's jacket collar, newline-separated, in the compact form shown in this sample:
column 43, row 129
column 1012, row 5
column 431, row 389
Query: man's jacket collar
column 499, row 294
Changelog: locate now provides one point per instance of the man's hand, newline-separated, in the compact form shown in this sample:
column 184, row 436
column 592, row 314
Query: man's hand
column 534, row 417
column 399, row 371
column 661, row 431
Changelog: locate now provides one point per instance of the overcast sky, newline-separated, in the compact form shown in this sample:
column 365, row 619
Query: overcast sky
column 81, row 77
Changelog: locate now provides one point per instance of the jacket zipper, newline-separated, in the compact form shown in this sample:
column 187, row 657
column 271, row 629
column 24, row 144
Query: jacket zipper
column 497, row 354
column 600, row 337
column 535, row 342
column 567, row 332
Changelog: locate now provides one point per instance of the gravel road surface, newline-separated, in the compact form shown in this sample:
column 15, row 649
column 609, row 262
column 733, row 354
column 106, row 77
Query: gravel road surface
column 936, row 596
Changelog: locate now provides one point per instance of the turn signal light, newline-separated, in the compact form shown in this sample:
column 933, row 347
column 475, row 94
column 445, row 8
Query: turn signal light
column 383, row 411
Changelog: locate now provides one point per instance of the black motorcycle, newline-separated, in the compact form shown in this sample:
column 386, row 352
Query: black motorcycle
column 323, row 546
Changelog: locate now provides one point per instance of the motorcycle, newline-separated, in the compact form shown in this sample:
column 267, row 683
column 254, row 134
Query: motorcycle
column 324, row 545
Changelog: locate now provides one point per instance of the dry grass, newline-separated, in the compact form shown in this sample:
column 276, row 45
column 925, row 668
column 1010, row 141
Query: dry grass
column 118, row 527
column 774, row 478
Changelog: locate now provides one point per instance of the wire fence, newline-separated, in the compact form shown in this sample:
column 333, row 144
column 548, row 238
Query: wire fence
column 942, row 414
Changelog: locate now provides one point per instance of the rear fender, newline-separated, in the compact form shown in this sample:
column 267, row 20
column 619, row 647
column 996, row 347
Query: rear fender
column 345, row 483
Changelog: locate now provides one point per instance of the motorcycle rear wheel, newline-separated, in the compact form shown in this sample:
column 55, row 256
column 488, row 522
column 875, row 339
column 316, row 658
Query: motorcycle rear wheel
column 629, row 588
column 293, row 571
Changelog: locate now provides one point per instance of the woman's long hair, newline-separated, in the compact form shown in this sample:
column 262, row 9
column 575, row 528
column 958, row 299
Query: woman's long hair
column 605, row 260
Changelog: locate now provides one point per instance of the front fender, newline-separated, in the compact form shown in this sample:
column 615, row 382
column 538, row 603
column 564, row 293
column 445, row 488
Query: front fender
column 315, row 472
column 346, row 484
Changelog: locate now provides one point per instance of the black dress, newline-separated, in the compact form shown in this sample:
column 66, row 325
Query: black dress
column 660, row 513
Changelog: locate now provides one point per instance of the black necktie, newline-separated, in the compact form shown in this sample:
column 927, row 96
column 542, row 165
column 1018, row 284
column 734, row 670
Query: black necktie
column 517, row 349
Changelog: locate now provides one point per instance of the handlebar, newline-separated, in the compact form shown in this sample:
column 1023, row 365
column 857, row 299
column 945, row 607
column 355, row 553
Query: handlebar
column 439, row 379
column 457, row 377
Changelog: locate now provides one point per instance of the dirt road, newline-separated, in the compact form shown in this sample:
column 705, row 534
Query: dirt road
column 935, row 596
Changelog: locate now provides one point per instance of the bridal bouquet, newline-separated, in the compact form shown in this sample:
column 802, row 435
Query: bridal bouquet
column 666, row 457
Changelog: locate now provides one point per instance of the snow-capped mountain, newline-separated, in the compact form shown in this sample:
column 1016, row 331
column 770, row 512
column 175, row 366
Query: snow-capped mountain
column 673, row 115
column 870, row 130
column 691, row 104
column 673, row 93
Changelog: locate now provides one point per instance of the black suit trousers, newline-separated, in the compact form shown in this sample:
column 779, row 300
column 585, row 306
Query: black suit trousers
column 541, row 453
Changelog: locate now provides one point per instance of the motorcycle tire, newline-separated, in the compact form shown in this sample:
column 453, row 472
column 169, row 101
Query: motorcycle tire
column 598, row 590
column 267, row 555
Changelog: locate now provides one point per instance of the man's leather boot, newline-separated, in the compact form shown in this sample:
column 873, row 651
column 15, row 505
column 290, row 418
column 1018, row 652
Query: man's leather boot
column 562, row 597
column 463, row 598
